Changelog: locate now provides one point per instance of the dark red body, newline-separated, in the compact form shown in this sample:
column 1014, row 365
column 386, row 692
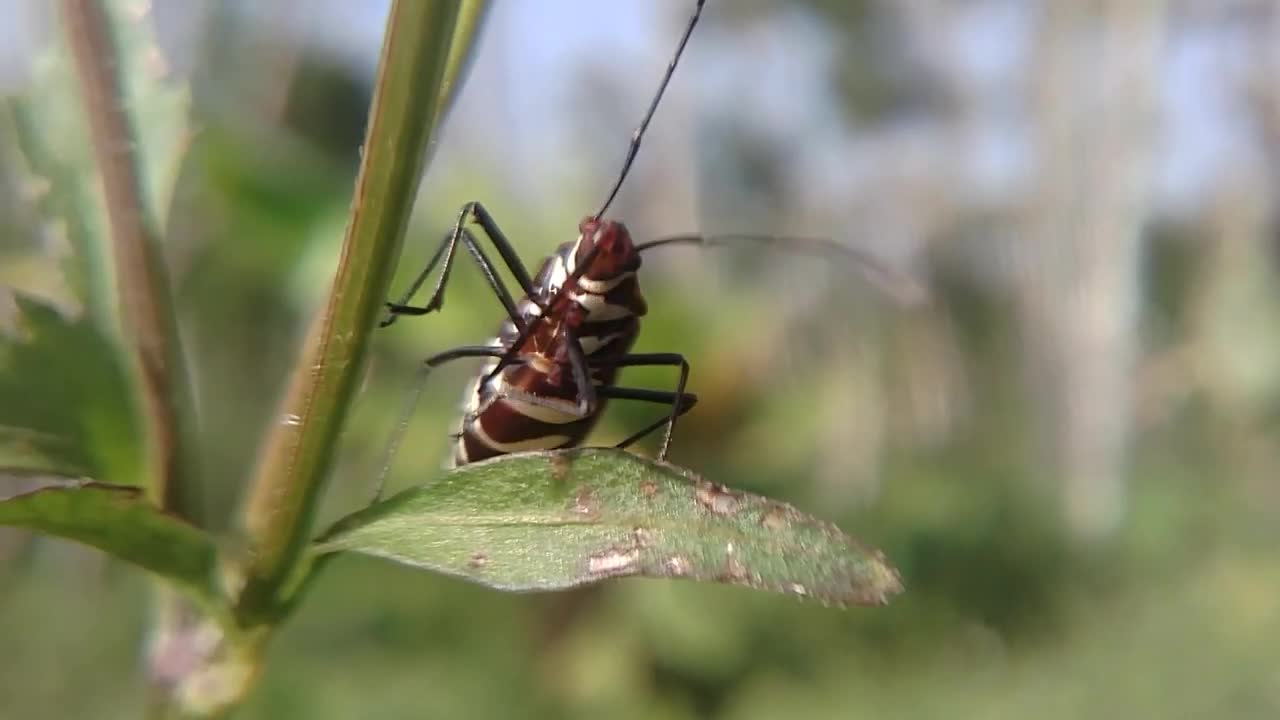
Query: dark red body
column 600, row 311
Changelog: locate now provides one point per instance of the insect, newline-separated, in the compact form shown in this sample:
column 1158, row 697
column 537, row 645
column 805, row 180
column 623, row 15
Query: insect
column 556, row 357
column 554, row 363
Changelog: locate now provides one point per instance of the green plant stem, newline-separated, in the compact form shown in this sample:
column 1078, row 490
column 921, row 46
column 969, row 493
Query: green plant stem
column 142, row 285
column 142, row 288
column 277, row 515
column 471, row 14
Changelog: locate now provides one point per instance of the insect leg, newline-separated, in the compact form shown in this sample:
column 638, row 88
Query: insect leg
column 411, row 402
column 447, row 250
column 527, row 331
column 680, row 401
column 463, row 351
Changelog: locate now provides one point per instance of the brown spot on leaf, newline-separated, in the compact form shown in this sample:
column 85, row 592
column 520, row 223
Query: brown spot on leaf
column 613, row 562
column 561, row 468
column 676, row 566
column 889, row 581
column 883, row 584
column 716, row 498
column 584, row 502
column 649, row 488
column 642, row 537
column 733, row 572
column 477, row 561
column 777, row 518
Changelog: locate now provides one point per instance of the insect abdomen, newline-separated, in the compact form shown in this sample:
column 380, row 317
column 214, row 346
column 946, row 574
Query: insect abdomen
column 493, row 426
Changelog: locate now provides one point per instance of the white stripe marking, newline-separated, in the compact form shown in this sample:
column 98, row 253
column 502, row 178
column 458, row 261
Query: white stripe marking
column 566, row 413
column 592, row 343
column 559, row 273
column 598, row 310
column 541, row 413
column 543, row 442
column 561, row 269
column 600, row 287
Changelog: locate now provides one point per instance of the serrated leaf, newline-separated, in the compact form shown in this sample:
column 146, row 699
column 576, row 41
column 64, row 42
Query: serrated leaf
column 550, row 521
column 57, row 183
column 121, row 521
column 158, row 103
column 65, row 405
column 48, row 125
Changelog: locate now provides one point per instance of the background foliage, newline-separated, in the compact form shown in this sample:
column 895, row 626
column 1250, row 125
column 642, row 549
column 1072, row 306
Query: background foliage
column 1069, row 453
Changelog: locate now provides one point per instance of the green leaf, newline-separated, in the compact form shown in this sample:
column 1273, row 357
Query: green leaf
column 550, row 521
column 65, row 404
column 121, row 521
column 66, row 400
column 60, row 188
column 471, row 14
column 158, row 103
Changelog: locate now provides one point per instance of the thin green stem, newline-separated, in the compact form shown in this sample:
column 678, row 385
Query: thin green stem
column 277, row 516
column 471, row 14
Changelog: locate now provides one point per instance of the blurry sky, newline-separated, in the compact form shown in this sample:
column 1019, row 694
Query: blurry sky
column 532, row 53
column 521, row 92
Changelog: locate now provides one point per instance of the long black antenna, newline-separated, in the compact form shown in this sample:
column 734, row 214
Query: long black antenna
column 634, row 148
column 895, row 284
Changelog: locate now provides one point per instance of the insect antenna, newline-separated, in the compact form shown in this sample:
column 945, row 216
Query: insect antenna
column 895, row 284
column 401, row 429
column 634, row 148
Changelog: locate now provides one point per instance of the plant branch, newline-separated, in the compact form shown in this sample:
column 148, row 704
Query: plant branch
column 408, row 97
column 145, row 304
column 471, row 14
column 142, row 284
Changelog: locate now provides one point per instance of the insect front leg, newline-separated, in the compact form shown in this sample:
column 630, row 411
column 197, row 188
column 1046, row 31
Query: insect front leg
column 680, row 401
column 472, row 211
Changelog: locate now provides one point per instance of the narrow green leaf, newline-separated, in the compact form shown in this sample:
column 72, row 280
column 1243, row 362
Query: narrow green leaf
column 158, row 102
column 120, row 521
column 57, row 184
column 471, row 14
column 549, row 521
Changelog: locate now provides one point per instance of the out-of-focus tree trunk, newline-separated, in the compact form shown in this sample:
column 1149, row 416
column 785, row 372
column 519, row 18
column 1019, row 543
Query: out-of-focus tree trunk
column 1095, row 119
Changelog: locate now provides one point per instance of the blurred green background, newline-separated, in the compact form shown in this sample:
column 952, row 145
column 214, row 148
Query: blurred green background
column 1070, row 451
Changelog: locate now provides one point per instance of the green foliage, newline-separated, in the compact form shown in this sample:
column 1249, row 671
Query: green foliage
column 122, row 522
column 158, row 107
column 69, row 405
column 65, row 403
column 1174, row 616
column 552, row 521
column 48, row 130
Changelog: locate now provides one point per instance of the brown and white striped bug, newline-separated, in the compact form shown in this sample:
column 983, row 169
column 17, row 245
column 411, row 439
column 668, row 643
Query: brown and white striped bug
column 554, row 362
